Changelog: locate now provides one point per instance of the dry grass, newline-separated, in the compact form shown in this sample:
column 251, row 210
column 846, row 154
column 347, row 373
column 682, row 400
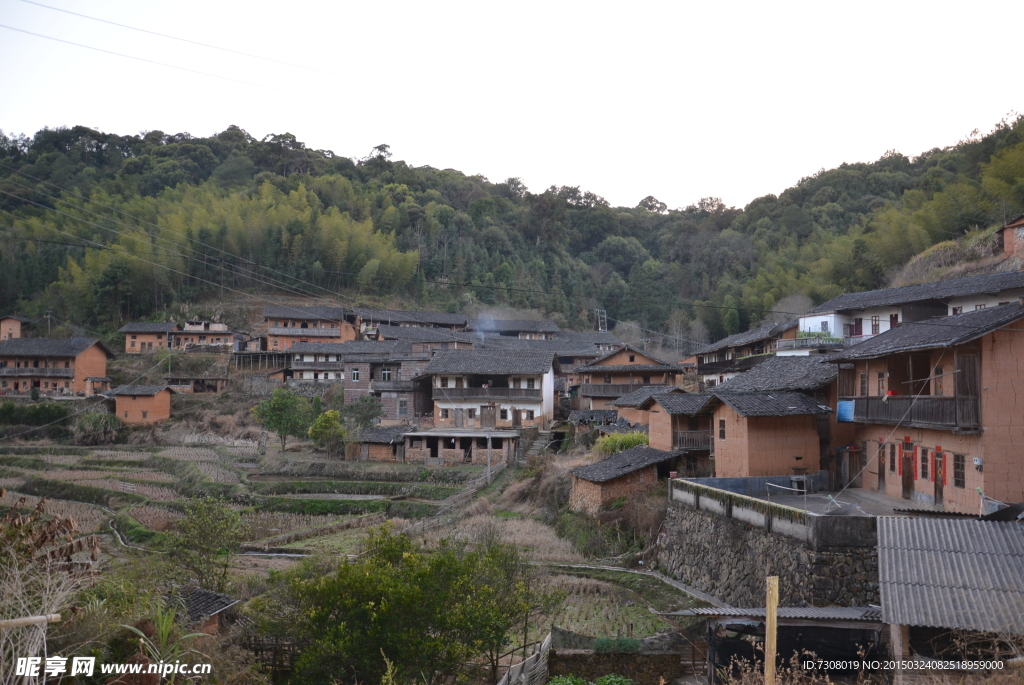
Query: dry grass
column 538, row 542
column 11, row 483
column 150, row 491
column 156, row 518
column 265, row 524
column 190, row 454
column 217, row 474
column 87, row 517
column 121, row 456
column 73, row 474
column 64, row 459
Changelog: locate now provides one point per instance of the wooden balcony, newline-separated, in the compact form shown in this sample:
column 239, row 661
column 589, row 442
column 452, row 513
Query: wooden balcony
column 614, row 389
column 810, row 343
column 961, row 413
column 317, row 366
column 504, row 394
column 303, row 332
column 41, row 372
column 693, row 440
column 392, row 386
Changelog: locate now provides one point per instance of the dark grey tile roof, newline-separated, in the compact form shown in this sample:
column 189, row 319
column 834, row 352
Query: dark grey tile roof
column 639, row 397
column 50, row 347
column 771, row 403
column 871, row 614
column 560, row 384
column 945, row 331
column 596, row 365
column 595, row 337
column 943, row 290
column 423, row 334
column 685, row 404
column 139, row 390
column 498, row 362
column 563, row 348
column 622, row 426
column 287, row 311
column 395, row 316
column 201, row 604
column 351, row 347
column 514, row 325
column 387, row 435
column 579, row 416
column 952, row 573
column 784, row 373
column 623, row 463
column 755, row 335
column 144, row 327
column 16, row 318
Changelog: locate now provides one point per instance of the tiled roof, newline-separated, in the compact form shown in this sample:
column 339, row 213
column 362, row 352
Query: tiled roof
column 771, row 403
column 684, row 404
column 623, row 463
column 514, row 325
column 422, row 334
column 351, row 347
column 622, row 426
column 940, row 332
column 201, row 604
column 144, row 327
column 942, row 290
column 578, row 416
column 595, row 337
column 287, row 311
column 596, row 366
column 872, row 614
column 784, row 373
column 16, row 318
column 139, row 390
column 639, row 397
column 50, row 347
column 1013, row 223
column 498, row 362
column 387, row 435
column 952, row 573
column 395, row 316
column 563, row 348
column 765, row 332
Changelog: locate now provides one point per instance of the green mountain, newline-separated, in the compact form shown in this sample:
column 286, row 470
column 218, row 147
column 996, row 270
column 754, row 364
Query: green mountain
column 100, row 228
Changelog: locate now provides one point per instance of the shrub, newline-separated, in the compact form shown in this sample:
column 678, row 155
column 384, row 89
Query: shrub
column 567, row 680
column 96, row 428
column 619, row 442
column 613, row 679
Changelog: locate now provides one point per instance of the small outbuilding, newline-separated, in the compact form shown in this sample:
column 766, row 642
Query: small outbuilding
column 383, row 443
column 140, row 404
column 621, row 475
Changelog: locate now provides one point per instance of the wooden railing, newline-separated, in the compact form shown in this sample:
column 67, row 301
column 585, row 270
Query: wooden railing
column 318, row 366
column 940, row 412
column 532, row 395
column 41, row 372
column 696, row 440
column 392, row 386
column 614, row 389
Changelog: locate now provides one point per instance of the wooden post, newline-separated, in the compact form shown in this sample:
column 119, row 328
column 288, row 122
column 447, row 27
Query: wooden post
column 488, row 458
column 29, row 621
column 770, row 616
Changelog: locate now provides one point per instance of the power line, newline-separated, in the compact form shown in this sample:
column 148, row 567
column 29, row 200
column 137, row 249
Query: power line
column 143, row 59
column 183, row 40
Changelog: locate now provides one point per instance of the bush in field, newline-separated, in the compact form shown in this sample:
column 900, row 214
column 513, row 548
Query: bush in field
column 364, row 411
column 208, row 538
column 616, row 645
column 32, row 414
column 96, row 428
column 618, row 442
column 285, row 413
column 327, row 432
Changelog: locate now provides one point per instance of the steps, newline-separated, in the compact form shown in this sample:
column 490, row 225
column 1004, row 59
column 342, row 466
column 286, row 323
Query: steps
column 537, row 446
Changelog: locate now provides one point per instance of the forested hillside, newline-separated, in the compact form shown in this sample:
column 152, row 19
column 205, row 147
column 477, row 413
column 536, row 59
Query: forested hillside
column 101, row 228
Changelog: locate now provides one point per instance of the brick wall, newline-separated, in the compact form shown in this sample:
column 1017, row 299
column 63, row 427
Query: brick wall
column 378, row 452
column 631, row 414
column 660, row 428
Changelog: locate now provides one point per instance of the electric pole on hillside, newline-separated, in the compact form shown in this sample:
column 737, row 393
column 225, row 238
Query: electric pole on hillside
column 602, row 320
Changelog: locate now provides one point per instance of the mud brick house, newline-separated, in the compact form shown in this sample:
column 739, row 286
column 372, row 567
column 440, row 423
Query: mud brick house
column 625, row 474
column 683, row 421
column 142, row 337
column 288, row 325
column 619, row 373
column 423, row 339
column 517, row 328
column 389, row 370
column 735, row 354
column 197, row 383
column 205, row 336
column 449, row 447
column 766, row 434
column 634, row 407
column 54, row 366
column 368, row 320
column 492, row 388
column 385, row 443
column 135, row 404
column 571, row 354
column 1013, row 235
column 936, row 409
column 11, row 326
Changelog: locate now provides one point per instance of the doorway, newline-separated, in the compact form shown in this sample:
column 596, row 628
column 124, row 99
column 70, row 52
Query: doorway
column 939, row 474
column 907, row 464
column 517, row 417
column 488, row 416
column 880, row 465
column 459, row 417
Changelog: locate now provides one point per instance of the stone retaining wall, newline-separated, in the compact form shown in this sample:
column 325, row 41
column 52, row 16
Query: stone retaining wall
column 730, row 559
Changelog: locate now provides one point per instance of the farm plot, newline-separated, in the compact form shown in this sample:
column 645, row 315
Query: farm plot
column 154, row 492
column 62, row 459
column 265, row 524
column 217, row 474
column 87, row 517
column 190, row 454
column 118, row 455
column 537, row 541
column 343, row 542
column 156, row 518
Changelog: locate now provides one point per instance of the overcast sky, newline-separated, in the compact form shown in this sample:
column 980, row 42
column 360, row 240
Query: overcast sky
column 680, row 100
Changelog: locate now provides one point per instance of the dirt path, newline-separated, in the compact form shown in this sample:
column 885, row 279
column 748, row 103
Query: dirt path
column 693, row 592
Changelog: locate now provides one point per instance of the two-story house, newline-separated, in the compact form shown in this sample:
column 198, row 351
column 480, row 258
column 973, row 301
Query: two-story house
column 369, row 319
column 730, row 356
column 937, row 409
column 682, row 422
column 204, row 336
column 423, row 339
column 289, row 325
column 517, row 328
column 619, row 373
column 140, row 337
column 142, row 404
column 54, row 366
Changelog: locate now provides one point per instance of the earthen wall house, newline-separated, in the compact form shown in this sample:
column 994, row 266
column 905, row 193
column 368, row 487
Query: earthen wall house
column 764, row 445
column 148, row 337
column 142, row 404
column 619, row 373
column 589, row 498
column 625, row 474
column 53, row 365
column 10, row 327
column 288, row 326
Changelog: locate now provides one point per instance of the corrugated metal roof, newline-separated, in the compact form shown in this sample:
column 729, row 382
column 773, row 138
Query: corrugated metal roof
column 795, row 613
column 956, row 287
column 771, row 403
column 952, row 573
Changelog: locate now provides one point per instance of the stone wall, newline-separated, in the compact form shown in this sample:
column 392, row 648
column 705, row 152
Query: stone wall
column 730, row 559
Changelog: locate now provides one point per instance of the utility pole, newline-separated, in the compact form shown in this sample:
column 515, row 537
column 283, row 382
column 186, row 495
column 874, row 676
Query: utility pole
column 47, row 323
column 770, row 622
column 488, row 457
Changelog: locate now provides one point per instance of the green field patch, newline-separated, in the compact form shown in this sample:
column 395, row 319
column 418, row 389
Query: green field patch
column 375, row 471
column 656, row 592
column 383, row 489
column 342, row 542
column 322, row 506
column 58, row 489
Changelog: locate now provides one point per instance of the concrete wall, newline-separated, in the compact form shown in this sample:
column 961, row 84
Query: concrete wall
column 730, row 559
column 757, row 486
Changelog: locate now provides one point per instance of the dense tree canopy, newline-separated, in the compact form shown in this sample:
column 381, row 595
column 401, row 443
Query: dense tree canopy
column 100, row 228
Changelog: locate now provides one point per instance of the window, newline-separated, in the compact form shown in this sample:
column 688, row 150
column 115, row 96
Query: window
column 471, row 413
column 529, row 415
column 135, row 337
column 647, row 380
column 126, row 415
column 504, row 414
column 159, row 336
column 881, row 383
column 892, row 457
column 607, row 378
column 959, row 478
column 938, row 380
column 145, row 414
column 403, row 407
column 632, row 358
column 355, row 374
column 277, row 324
column 721, row 429
column 824, row 327
column 3, row 384
column 978, row 307
column 444, row 381
column 863, row 385
column 67, row 384
column 131, row 344
column 385, row 374
column 876, row 325
column 924, row 463
column 958, row 310
column 530, row 384
column 275, row 343
column 444, row 413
